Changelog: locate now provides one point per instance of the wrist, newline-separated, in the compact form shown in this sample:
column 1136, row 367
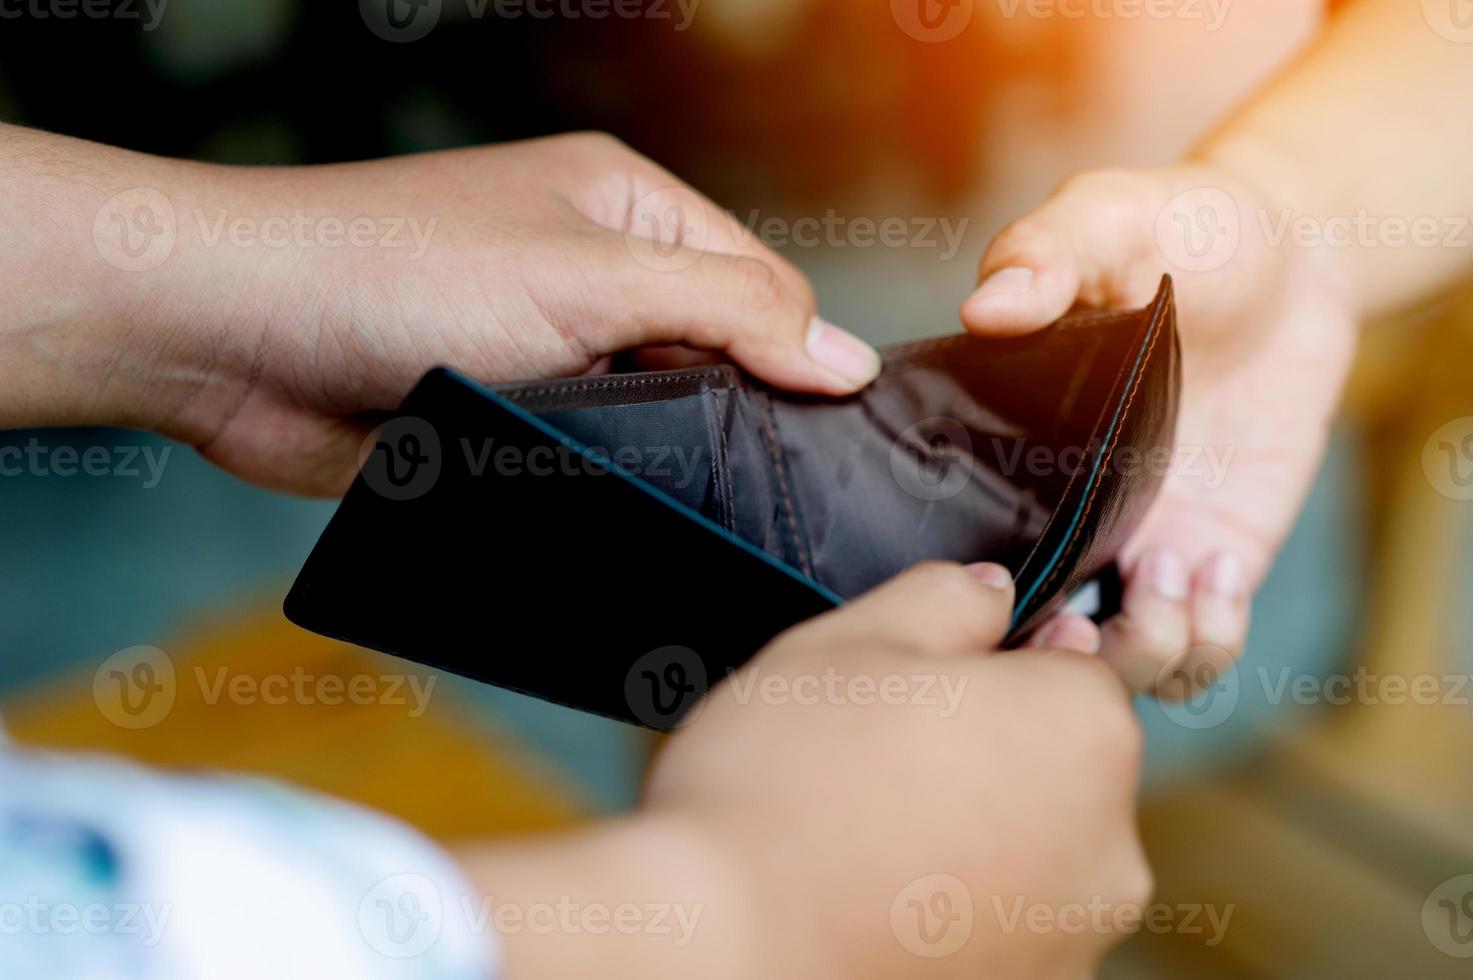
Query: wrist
column 1285, row 195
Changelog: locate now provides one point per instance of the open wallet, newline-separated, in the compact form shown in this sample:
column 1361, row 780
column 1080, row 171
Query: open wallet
column 620, row 543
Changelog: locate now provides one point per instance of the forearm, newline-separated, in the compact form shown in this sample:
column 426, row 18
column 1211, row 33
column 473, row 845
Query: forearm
column 1368, row 138
column 634, row 898
column 116, row 309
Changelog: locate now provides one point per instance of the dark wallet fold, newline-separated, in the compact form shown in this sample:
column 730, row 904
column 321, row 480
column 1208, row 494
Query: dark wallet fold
column 619, row 543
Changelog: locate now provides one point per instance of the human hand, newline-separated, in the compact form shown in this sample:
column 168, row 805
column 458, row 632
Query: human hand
column 270, row 350
column 1268, row 333
column 846, row 820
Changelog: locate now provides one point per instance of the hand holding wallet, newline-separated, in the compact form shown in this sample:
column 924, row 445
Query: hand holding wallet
column 619, row 543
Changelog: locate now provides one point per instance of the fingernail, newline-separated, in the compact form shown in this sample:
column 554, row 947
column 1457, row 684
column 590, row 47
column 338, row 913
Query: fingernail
column 1167, row 575
column 1225, row 576
column 1064, row 633
column 1003, row 282
column 992, row 576
column 842, row 352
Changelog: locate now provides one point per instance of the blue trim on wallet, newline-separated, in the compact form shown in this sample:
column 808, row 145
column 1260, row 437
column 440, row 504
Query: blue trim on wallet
column 1048, row 567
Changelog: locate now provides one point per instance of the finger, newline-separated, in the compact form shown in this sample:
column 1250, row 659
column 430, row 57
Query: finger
column 1220, row 610
column 1067, row 632
column 1092, row 242
column 937, row 609
column 1029, row 278
column 1220, row 606
column 743, row 308
column 1153, row 627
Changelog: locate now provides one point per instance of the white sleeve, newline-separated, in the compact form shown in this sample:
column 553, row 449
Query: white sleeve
column 108, row 870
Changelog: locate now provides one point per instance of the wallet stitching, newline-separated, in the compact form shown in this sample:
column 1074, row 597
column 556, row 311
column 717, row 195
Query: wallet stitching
column 769, row 431
column 1108, row 451
column 720, row 465
column 704, row 374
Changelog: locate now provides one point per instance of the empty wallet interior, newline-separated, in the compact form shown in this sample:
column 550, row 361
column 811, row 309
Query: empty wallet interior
column 1005, row 450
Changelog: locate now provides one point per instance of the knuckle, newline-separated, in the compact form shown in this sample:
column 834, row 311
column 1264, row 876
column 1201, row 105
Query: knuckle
column 942, row 578
column 594, row 139
column 1137, row 881
column 1025, row 237
column 1099, row 702
column 761, row 289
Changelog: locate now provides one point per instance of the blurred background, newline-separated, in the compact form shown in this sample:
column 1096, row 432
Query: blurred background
column 1325, row 830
